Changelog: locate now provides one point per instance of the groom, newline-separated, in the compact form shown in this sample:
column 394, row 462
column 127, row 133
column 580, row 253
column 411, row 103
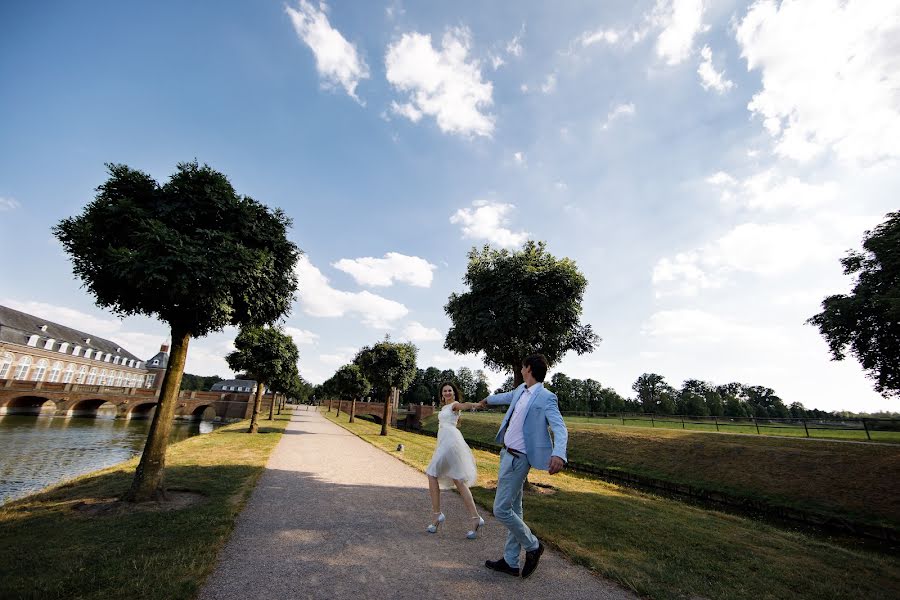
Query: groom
column 533, row 410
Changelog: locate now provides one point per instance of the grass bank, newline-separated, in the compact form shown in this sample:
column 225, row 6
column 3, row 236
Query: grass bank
column 61, row 543
column 662, row 548
column 858, row 482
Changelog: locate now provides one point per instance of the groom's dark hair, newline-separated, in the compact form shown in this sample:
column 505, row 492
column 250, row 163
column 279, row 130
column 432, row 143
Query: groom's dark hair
column 538, row 364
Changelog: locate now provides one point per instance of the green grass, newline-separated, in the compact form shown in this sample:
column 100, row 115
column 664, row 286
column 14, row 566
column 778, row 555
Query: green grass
column 664, row 549
column 48, row 549
column 673, row 422
column 852, row 481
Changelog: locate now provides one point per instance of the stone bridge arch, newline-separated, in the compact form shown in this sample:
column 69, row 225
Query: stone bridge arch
column 206, row 412
column 93, row 408
column 32, row 405
column 140, row 410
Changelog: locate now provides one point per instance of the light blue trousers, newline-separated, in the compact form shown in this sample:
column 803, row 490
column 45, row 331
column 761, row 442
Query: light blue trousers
column 508, row 506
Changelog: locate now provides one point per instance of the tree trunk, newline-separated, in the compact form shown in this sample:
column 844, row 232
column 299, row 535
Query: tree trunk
column 517, row 376
column 338, row 413
column 352, row 409
column 254, row 419
column 385, row 418
column 272, row 407
column 148, row 478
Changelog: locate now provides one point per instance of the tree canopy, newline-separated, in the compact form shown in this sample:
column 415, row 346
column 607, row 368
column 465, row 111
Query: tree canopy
column 387, row 365
column 191, row 252
column 866, row 322
column 350, row 383
column 519, row 303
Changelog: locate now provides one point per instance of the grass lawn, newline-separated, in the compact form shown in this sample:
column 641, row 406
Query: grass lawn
column 51, row 549
column 662, row 548
column 860, row 482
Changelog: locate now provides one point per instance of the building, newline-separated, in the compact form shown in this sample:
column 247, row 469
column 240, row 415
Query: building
column 35, row 349
column 234, row 385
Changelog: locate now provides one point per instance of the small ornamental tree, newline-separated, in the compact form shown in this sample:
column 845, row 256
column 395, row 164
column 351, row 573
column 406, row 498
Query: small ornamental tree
column 268, row 355
column 866, row 322
column 287, row 384
column 350, row 383
column 387, row 365
column 519, row 303
column 190, row 252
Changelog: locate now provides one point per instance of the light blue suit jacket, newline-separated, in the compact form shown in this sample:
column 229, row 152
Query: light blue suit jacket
column 542, row 418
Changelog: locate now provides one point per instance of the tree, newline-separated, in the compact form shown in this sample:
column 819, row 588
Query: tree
column 287, row 382
column 866, row 322
column 387, row 365
column 519, row 303
column 650, row 389
column 198, row 383
column 351, row 384
column 465, row 379
column 692, row 398
column 482, row 390
column 191, row 252
column 268, row 355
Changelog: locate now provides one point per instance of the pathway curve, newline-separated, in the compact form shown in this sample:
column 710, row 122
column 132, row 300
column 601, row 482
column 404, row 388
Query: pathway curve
column 334, row 517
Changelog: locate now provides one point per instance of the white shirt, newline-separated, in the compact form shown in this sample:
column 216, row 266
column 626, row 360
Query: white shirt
column 514, row 437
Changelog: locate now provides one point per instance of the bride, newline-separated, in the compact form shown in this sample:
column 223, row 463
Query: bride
column 453, row 462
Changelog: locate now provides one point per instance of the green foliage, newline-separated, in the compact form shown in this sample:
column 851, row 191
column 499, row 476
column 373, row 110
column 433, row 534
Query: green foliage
column 266, row 353
column 519, row 303
column 192, row 251
column 349, row 382
column 866, row 322
column 576, row 395
column 198, row 383
column 388, row 364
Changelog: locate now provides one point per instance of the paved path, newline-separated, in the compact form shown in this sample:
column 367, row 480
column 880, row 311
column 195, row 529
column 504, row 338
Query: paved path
column 335, row 517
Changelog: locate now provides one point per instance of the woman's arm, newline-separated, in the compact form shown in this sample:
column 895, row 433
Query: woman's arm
column 458, row 406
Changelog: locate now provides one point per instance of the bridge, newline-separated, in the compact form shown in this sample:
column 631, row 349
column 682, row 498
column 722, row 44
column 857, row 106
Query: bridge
column 77, row 400
column 410, row 418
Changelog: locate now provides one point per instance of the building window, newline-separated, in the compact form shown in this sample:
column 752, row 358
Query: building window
column 49, row 344
column 76, row 351
column 69, row 372
column 54, row 372
column 102, row 380
column 39, row 369
column 92, row 376
column 108, row 356
column 82, row 374
column 150, row 380
column 87, row 352
column 33, row 340
column 63, row 347
column 116, row 360
column 118, row 379
column 22, row 368
column 155, row 362
column 6, row 360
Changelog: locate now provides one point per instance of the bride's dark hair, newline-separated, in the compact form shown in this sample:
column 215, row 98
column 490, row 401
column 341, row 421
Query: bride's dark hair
column 457, row 395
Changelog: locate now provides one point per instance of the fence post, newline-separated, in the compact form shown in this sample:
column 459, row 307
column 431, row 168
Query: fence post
column 652, row 422
column 805, row 428
column 868, row 437
column 757, row 425
column 717, row 422
column 682, row 421
column 623, row 418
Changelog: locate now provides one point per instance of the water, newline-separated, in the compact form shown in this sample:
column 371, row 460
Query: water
column 36, row 452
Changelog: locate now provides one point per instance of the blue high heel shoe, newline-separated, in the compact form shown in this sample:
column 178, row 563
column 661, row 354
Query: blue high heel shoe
column 436, row 524
column 473, row 534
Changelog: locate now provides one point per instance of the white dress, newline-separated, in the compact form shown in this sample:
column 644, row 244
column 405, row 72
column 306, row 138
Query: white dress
column 453, row 459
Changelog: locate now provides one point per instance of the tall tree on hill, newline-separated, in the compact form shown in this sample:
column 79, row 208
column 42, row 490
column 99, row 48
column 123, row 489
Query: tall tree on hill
column 192, row 253
column 519, row 303
column 866, row 322
column 387, row 365
column 268, row 355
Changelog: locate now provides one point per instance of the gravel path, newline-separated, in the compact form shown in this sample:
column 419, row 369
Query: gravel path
column 334, row 517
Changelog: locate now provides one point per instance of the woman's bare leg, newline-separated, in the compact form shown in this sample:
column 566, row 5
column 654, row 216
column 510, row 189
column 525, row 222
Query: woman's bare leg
column 434, row 489
column 466, row 498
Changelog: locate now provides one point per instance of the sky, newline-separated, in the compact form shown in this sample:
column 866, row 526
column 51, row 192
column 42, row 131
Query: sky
column 705, row 164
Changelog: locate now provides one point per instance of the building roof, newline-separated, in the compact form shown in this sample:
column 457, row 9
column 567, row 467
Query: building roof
column 162, row 356
column 220, row 386
column 16, row 327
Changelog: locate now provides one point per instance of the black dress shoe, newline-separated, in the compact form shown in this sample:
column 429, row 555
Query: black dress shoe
column 502, row 566
column 532, row 557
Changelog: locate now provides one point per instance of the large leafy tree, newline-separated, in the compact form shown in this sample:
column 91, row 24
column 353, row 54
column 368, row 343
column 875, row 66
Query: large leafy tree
column 268, row 355
column 191, row 252
column 387, row 365
column 287, row 384
column 351, row 384
column 866, row 322
column 519, row 303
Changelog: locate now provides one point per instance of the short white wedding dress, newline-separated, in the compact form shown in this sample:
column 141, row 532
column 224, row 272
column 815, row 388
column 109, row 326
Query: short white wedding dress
column 453, row 459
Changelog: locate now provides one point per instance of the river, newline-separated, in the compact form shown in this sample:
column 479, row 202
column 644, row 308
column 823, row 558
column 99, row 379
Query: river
column 36, row 452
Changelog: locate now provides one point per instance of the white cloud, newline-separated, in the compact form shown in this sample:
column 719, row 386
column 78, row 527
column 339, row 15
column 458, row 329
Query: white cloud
column 519, row 157
column 709, row 77
column 618, row 112
column 561, row 186
column 681, row 21
column 830, row 76
column 693, row 326
column 301, row 336
column 759, row 249
column 336, row 59
column 406, row 110
column 8, row 204
column 607, row 36
column 442, row 84
column 497, row 61
column 549, row 85
column 487, row 221
column 514, row 46
column 770, row 191
column 384, row 271
column 319, row 299
column 416, row 332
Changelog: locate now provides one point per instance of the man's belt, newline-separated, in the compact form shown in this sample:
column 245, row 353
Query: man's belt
column 516, row 453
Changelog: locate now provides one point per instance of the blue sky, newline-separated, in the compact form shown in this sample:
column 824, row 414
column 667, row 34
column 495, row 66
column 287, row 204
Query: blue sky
column 705, row 164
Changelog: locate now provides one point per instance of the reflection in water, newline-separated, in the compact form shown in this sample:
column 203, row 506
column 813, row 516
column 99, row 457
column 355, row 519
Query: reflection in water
column 39, row 451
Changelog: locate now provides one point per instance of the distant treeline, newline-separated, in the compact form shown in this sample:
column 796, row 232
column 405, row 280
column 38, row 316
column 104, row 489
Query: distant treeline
column 198, row 383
